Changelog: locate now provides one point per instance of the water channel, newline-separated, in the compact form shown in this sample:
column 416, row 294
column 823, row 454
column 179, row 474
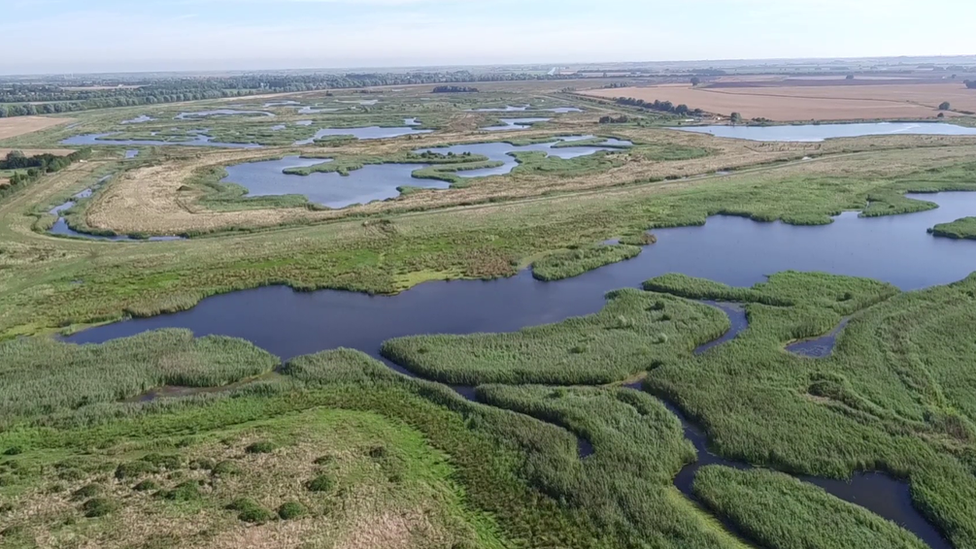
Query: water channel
column 820, row 132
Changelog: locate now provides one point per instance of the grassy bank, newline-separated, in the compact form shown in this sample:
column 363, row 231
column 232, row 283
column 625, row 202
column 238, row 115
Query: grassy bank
column 780, row 512
column 570, row 263
column 633, row 333
column 958, row 229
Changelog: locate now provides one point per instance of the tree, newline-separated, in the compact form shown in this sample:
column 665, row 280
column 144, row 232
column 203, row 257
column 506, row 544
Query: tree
column 850, row 77
column 695, row 80
column 945, row 106
column 736, row 118
column 971, row 84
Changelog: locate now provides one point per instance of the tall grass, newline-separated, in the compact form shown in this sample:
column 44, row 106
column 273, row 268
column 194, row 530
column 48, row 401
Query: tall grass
column 39, row 376
column 574, row 262
column 964, row 228
column 780, row 512
column 635, row 332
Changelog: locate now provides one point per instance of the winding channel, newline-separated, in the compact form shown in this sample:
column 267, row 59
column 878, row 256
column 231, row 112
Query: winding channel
column 732, row 250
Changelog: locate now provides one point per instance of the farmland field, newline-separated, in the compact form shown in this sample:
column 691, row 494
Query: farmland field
column 782, row 101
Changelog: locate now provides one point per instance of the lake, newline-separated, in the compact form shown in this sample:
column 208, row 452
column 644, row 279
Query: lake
column 381, row 181
column 502, row 152
column 820, row 132
column 369, row 183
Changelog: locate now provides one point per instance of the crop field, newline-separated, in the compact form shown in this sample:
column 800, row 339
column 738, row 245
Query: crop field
column 570, row 433
column 786, row 102
column 21, row 125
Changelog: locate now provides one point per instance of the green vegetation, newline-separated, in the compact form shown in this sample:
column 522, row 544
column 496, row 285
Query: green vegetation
column 42, row 376
column 570, row 263
column 635, row 332
column 291, row 510
column 780, row 512
column 958, row 229
column 35, row 167
column 249, row 510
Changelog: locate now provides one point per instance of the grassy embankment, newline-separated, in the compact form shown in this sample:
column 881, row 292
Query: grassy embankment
column 574, row 262
column 758, row 501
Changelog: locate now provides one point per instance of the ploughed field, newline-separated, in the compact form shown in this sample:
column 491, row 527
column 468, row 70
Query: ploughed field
column 584, row 349
column 785, row 102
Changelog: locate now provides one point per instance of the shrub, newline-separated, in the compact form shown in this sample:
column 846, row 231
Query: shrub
column 291, row 510
column 134, row 469
column 205, row 464
column 226, row 469
column 187, row 491
column 945, row 106
column 261, row 447
column 324, row 460
column 321, row 483
column 86, row 492
column 146, row 486
column 168, row 462
column 98, row 507
column 249, row 510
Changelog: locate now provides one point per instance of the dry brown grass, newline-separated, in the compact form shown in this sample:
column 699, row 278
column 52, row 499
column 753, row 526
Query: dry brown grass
column 20, row 125
column 362, row 515
column 787, row 103
column 149, row 200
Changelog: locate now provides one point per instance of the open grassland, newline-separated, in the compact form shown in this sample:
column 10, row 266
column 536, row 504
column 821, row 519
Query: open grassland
column 21, row 125
column 797, row 103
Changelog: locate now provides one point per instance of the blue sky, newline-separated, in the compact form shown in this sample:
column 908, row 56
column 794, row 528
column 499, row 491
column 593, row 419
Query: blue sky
column 38, row 36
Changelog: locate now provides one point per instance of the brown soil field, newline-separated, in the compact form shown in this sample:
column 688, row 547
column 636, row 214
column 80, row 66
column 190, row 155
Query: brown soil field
column 787, row 103
column 32, row 152
column 20, row 125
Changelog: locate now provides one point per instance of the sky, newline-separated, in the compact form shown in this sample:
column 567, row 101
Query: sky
column 79, row 36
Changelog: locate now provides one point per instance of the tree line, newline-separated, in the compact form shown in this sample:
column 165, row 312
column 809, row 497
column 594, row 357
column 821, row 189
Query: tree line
column 36, row 166
column 661, row 106
column 20, row 99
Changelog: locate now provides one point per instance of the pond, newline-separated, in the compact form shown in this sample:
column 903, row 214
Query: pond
column 313, row 110
column 732, row 250
column 369, row 183
column 502, row 152
column 820, row 132
column 515, row 124
column 199, row 140
column 509, row 108
column 142, row 118
column 382, row 181
column 370, row 132
column 281, row 104
column 220, row 112
column 131, row 153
